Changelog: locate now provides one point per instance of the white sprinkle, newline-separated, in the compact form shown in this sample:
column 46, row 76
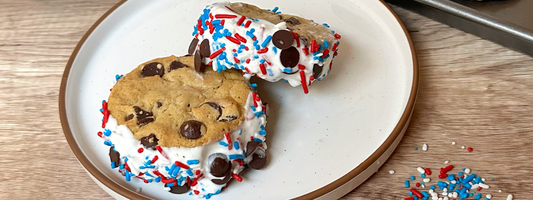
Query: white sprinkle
column 510, row 197
column 453, row 143
column 489, row 196
column 424, row 147
column 475, row 186
column 391, row 171
column 455, row 194
column 421, row 170
column 453, row 182
column 426, row 180
column 434, row 198
column 500, row 191
column 422, row 185
column 462, row 147
column 445, row 189
column 450, row 195
column 445, row 198
column 483, row 185
column 445, row 193
column 446, row 162
column 440, row 198
column 467, row 171
column 483, row 179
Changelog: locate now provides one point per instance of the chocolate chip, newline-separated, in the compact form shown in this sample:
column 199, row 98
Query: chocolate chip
column 293, row 21
column 290, row 57
column 304, row 41
column 129, row 117
column 193, row 45
column 192, row 129
column 228, row 118
column 198, row 64
column 317, row 70
column 150, row 141
column 283, row 39
column 114, row 156
column 159, row 104
column 177, row 189
column 205, row 49
column 251, row 146
column 153, row 69
column 220, row 165
column 222, row 181
column 259, row 159
column 143, row 117
column 215, row 106
column 176, row 65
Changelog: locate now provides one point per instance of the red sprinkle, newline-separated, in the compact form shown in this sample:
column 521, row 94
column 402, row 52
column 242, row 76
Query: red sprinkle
column 246, row 48
column 234, row 40
column 230, row 9
column 222, row 22
column 263, row 69
column 266, row 60
column 313, row 46
column 180, row 164
column 470, row 149
column 334, row 47
column 154, row 159
column 100, row 134
column 297, row 38
column 228, row 138
column 254, row 38
column 428, row 171
column 479, row 188
column 140, row 150
column 247, row 24
column 106, row 114
column 441, row 176
column 225, row 16
column 216, row 53
column 236, row 177
column 446, row 169
column 263, row 50
column 236, row 60
column 159, row 149
column 409, row 198
column 306, row 52
column 300, row 66
column 145, row 180
column 416, row 193
column 198, row 172
column 337, row 36
column 335, row 54
column 247, row 61
column 239, row 37
column 241, row 20
column 211, row 16
column 247, row 70
column 417, row 184
column 196, row 192
column 326, row 52
column 304, row 82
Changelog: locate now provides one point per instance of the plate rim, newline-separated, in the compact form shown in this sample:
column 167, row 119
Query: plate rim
column 404, row 120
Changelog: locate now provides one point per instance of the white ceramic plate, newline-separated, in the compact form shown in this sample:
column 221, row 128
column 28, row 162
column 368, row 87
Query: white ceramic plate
column 322, row 144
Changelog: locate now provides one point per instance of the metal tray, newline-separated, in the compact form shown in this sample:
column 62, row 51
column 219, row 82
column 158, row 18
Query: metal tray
column 506, row 22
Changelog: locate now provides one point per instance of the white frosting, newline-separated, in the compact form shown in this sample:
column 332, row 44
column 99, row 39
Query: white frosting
column 263, row 29
column 124, row 143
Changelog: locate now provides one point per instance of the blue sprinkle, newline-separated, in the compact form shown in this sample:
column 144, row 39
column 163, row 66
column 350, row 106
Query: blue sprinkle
column 262, row 132
column 262, row 61
column 189, row 171
column 148, row 174
column 128, row 178
column 142, row 167
column 262, row 127
column 492, row 179
column 218, row 191
column 425, row 194
column 275, row 50
column 326, row 57
column 257, row 47
column 150, row 180
column 192, row 162
column 101, row 110
column 288, row 70
column 253, row 108
column 326, row 44
column 107, row 132
column 256, row 57
column 258, row 114
column 275, row 9
column 423, row 175
column 103, row 101
column 175, row 172
column 108, row 143
column 432, row 187
column 171, row 170
column 223, row 143
column 235, row 156
column 413, row 178
column 113, row 165
column 326, row 25
column 121, row 167
column 253, row 85
column 278, row 12
column 451, row 177
column 266, row 41
column 255, row 20
column 270, row 72
column 117, row 77
column 235, row 54
column 258, row 140
column 468, row 178
column 170, row 184
column 410, row 193
column 460, row 173
column 406, row 182
column 236, row 145
column 157, row 179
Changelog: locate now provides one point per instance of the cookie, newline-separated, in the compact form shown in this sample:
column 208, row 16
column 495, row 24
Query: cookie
column 157, row 114
column 264, row 43
column 166, row 102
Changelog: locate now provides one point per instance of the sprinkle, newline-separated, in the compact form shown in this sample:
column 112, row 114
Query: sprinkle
column 262, row 132
column 226, row 16
column 105, row 112
column 412, row 178
column 417, row 184
column 453, row 143
column 266, row 41
column 391, row 171
column 234, row 40
column 241, row 20
column 446, row 169
column 217, row 53
column 247, row 24
column 189, row 171
column 337, row 36
column 263, row 69
column 253, row 85
column 406, row 182
column 424, row 147
column 306, row 52
column 426, row 180
column 140, row 150
column 236, row 156
column 470, row 149
column 416, row 193
column 463, row 147
column 180, row 164
column 236, row 145
column 421, row 170
column 192, row 162
column 446, row 162
column 275, row 9
column 304, row 82
column 240, row 38
column 228, row 138
column 428, row 171
column 416, row 148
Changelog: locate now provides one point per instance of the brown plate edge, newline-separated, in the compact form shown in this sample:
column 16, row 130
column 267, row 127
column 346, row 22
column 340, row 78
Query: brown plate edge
column 317, row 193
column 65, row 125
column 392, row 137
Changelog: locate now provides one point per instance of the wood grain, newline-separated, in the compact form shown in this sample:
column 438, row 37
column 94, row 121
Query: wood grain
column 472, row 91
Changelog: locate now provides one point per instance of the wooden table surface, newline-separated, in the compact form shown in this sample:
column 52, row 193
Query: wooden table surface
column 472, row 91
